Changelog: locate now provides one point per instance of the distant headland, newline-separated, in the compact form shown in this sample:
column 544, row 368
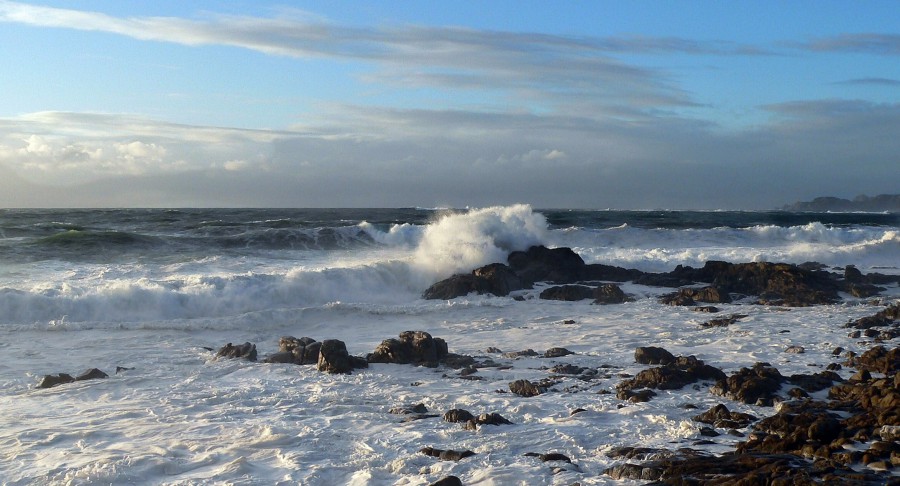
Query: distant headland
column 882, row 202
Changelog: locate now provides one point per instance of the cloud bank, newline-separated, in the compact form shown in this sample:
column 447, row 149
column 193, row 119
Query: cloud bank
column 554, row 121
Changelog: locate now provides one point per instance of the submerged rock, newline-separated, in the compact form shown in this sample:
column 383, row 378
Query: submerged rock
column 49, row 381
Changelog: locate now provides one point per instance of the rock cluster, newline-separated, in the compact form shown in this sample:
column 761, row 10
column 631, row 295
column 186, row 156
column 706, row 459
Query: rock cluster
column 773, row 283
column 49, row 381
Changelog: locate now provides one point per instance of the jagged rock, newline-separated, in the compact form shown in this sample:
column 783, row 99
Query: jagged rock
column 243, row 351
column 525, row 388
column 334, row 358
column 652, row 355
column 722, row 418
column 457, row 286
column 49, row 381
column 751, row 385
column 815, row 382
column 877, row 359
column 300, row 351
column 413, row 347
column 683, row 371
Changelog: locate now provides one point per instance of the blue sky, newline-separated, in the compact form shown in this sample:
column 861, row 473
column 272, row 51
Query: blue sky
column 633, row 105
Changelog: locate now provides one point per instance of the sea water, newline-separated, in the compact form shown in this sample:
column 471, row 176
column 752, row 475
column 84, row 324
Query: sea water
column 154, row 291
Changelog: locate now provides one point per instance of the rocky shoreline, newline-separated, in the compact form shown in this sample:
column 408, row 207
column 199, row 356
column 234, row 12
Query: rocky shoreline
column 850, row 437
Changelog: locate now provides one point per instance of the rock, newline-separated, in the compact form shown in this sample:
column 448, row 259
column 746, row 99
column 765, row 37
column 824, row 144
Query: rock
column 49, row 381
column 448, row 481
column 541, row 264
column 550, row 456
column 412, row 347
column 569, row 293
column 520, row 354
column 652, row 355
column 609, row 294
column 242, row 351
column 525, row 388
column 334, row 358
column 446, row 455
column 674, row 375
column 724, row 321
column 91, row 374
column 877, row 359
column 302, row 351
column 795, row 350
column 457, row 286
column 458, row 415
column 500, row 279
column 722, row 418
column 414, row 409
column 638, row 396
column 749, row 385
column 815, row 382
column 491, row 419
column 690, row 296
column 557, row 353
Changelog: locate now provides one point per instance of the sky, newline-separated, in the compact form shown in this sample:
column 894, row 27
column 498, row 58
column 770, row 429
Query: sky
column 582, row 104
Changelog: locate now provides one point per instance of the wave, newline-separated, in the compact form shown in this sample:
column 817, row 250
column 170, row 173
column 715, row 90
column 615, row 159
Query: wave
column 408, row 259
column 662, row 249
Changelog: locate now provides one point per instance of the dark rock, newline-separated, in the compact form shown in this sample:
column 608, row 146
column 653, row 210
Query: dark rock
column 677, row 374
column 795, row 350
column 412, row 347
column 652, row 355
column 457, row 286
column 557, row 353
column 122, row 369
column 706, row 308
column 243, row 351
column 567, row 369
column 91, row 374
column 521, row 354
column 720, row 417
column 446, row 455
column 569, row 293
column 334, row 358
column 550, row 456
column 500, row 279
column 724, row 321
column 690, row 296
column 749, row 385
column 525, row 388
column 491, row 419
column 302, row 351
column 414, row 409
column 877, row 359
column 458, row 415
column 597, row 271
column 815, row 382
column 541, row 264
column 633, row 396
column 280, row 357
column 448, row 481
column 49, row 381
column 609, row 294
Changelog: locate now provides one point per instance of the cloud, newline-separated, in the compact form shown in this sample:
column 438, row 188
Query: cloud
column 871, row 82
column 862, row 43
column 439, row 157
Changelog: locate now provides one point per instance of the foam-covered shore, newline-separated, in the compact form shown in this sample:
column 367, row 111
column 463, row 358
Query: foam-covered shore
column 179, row 416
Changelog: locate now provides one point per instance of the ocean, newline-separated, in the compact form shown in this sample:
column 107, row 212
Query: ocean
column 153, row 292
